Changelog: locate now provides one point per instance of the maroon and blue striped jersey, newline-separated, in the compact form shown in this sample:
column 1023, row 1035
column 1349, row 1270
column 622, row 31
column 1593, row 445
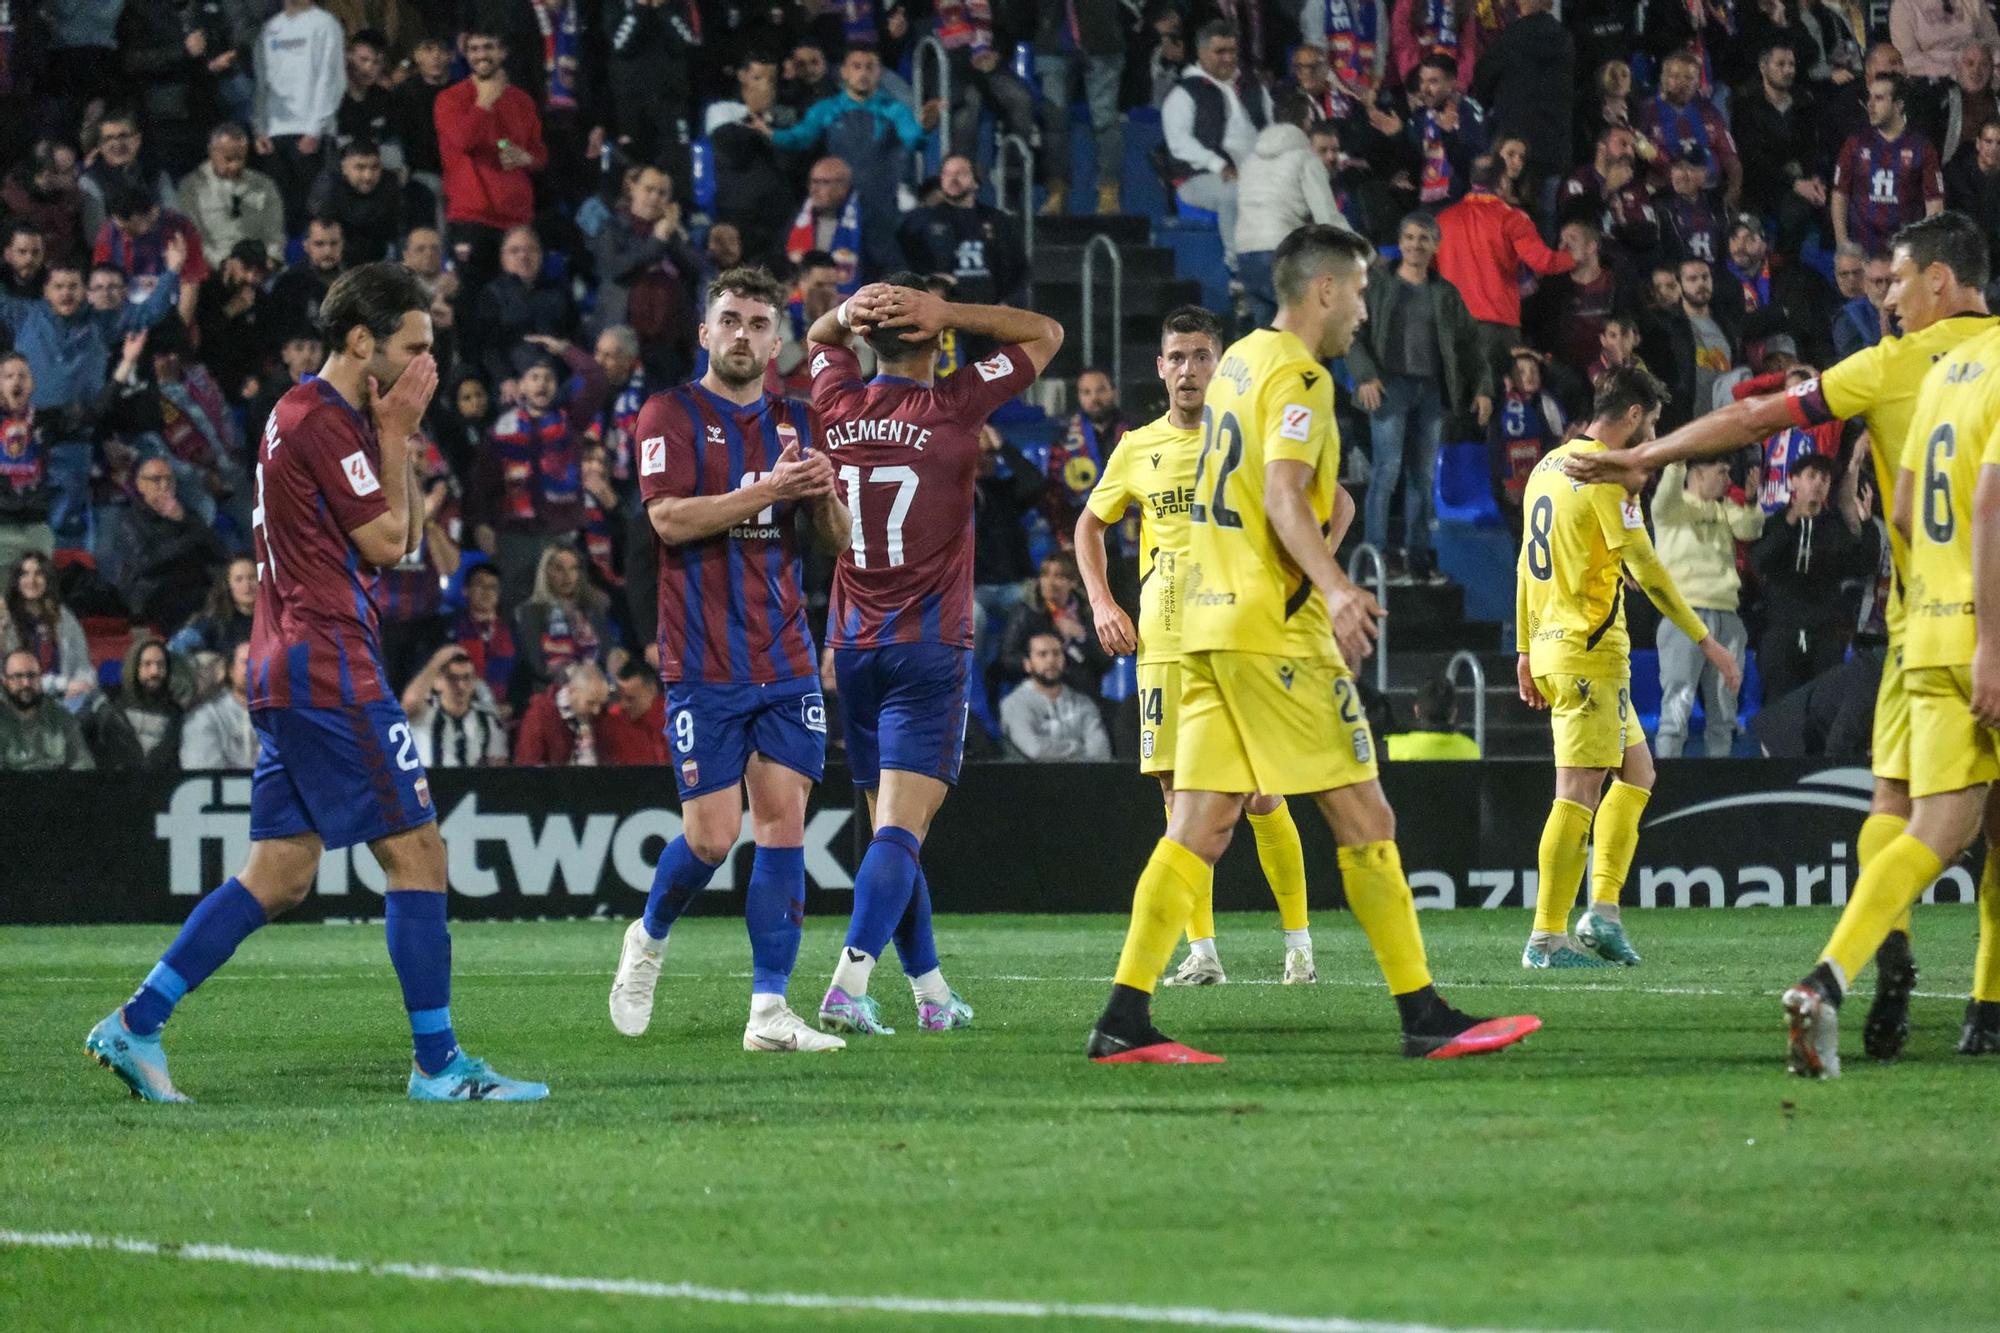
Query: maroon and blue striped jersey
column 314, row 640
column 1887, row 182
column 907, row 455
column 732, row 608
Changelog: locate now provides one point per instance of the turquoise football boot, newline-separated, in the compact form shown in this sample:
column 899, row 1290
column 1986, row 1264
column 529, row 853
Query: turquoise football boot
column 466, row 1079
column 140, row 1062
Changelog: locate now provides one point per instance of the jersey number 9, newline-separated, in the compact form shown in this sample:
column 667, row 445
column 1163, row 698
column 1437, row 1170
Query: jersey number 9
column 1223, row 435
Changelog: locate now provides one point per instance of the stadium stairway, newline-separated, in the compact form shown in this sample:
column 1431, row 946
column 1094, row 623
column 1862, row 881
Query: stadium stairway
column 1150, row 289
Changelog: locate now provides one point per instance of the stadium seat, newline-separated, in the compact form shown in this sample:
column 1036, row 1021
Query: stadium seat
column 1463, row 491
column 1187, row 212
column 704, row 175
column 1122, row 680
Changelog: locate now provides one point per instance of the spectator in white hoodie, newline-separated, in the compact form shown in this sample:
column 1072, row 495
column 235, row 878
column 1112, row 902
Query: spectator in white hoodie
column 1210, row 122
column 1283, row 187
column 301, row 64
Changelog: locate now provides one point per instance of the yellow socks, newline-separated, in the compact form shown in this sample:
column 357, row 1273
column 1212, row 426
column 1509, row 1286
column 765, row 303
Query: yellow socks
column 1174, row 880
column 1986, row 968
column 1284, row 862
column 1561, row 862
column 1379, row 897
column 1894, row 879
column 1201, row 924
column 1615, row 833
column 1877, row 832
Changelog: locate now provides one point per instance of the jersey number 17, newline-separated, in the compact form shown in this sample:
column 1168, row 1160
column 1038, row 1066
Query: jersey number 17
column 904, row 479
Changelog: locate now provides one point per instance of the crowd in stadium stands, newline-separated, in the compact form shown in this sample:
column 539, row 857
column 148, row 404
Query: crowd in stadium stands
column 1704, row 186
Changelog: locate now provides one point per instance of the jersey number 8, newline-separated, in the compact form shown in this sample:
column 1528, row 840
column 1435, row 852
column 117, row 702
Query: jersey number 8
column 1541, row 519
column 1225, row 435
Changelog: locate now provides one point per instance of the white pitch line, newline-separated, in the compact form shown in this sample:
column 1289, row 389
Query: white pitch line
column 1183, row 1316
column 1354, row 983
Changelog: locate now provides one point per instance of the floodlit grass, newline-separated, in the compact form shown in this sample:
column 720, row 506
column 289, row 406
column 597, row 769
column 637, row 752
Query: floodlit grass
column 1642, row 1162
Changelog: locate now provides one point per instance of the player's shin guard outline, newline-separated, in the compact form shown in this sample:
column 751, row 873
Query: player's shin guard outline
column 774, row 914
column 1283, row 860
column 1877, row 832
column 1560, row 860
column 420, row 948
column 1379, row 896
column 1615, row 833
column 220, row 922
column 1172, row 882
column 1894, row 880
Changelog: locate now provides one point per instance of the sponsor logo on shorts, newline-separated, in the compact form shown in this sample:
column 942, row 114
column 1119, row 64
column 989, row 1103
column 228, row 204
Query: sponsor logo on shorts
column 423, row 790
column 360, row 476
column 690, row 773
column 812, row 712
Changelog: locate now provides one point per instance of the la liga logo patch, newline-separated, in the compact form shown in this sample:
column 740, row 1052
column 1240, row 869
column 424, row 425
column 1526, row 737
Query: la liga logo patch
column 360, row 476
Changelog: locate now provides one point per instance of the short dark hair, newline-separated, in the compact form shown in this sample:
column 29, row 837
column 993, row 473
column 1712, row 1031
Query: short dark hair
column 373, row 297
column 1622, row 388
column 325, row 220
column 1213, row 29
column 374, row 37
column 748, row 281
column 484, row 569
column 130, row 201
column 1487, row 170
column 20, row 227
column 360, row 146
column 487, row 29
column 1625, row 322
column 1814, row 463
column 1310, row 251
column 1192, row 319
column 634, row 668
column 888, row 344
column 1440, row 62
column 1293, row 108
column 1899, row 87
column 1436, row 702
column 1949, row 238
column 816, row 259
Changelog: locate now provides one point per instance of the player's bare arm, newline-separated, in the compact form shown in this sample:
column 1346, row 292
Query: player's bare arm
column 832, row 522
column 1342, row 520
column 387, row 538
column 1114, row 627
column 1711, row 436
column 1985, row 596
column 1354, row 613
column 680, row 519
column 922, row 315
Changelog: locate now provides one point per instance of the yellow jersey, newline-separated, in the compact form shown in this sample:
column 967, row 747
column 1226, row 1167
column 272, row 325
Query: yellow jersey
column 1953, row 433
column 1270, row 401
column 1879, row 384
column 1153, row 468
column 1569, row 604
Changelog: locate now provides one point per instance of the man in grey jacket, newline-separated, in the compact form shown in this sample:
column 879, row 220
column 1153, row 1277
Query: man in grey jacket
column 219, row 734
column 1282, row 187
column 1045, row 719
column 1415, row 359
column 37, row 733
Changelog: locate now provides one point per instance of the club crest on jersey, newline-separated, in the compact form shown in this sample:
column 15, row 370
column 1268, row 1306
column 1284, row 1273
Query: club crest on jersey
column 1146, row 744
column 690, row 773
column 1297, row 423
column 788, row 436
column 652, row 455
column 360, row 476
column 994, row 367
column 812, row 712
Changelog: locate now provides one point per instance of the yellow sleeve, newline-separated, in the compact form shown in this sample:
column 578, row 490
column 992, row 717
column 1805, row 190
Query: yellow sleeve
column 1113, row 494
column 1295, row 411
column 1520, row 608
column 1618, row 515
column 1658, row 585
column 1852, row 385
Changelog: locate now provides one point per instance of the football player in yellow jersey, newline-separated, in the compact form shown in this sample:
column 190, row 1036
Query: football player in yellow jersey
column 1936, row 291
column 1153, row 468
column 1947, row 509
column 1267, row 701
column 1576, row 661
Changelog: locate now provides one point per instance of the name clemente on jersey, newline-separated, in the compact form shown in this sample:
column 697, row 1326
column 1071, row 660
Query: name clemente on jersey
column 875, row 430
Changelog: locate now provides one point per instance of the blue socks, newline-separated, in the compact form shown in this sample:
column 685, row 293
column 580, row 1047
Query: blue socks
column 420, row 947
column 915, row 944
column 678, row 879
column 775, row 913
column 882, row 889
column 219, row 922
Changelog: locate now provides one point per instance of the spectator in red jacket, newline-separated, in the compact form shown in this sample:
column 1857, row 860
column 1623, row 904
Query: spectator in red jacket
column 489, row 141
column 634, row 730
column 1485, row 240
column 562, row 727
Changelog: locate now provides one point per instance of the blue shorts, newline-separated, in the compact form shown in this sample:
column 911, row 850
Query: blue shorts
column 904, row 706
column 713, row 729
column 351, row 775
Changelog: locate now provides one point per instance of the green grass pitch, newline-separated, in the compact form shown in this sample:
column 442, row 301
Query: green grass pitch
column 1643, row 1162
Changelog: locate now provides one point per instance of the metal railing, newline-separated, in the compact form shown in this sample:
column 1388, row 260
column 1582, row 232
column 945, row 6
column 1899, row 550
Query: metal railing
column 1367, row 554
column 1014, row 144
column 943, row 65
column 1477, row 672
column 1096, row 244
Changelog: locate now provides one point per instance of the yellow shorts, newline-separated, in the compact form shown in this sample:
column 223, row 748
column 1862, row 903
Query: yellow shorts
column 1159, row 705
column 1889, row 749
column 1948, row 749
column 1277, row 725
column 1592, row 719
